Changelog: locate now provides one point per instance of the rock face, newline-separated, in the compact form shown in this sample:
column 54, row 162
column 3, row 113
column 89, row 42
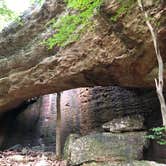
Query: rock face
column 132, row 163
column 128, row 123
column 68, row 145
column 84, row 110
column 118, row 53
column 107, row 147
column 156, row 152
column 21, row 125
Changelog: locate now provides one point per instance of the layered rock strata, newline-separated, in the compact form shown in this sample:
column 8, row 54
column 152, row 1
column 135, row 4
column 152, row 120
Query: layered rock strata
column 114, row 53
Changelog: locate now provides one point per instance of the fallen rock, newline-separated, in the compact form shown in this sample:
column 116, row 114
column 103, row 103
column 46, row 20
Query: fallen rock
column 123, row 124
column 102, row 147
column 132, row 163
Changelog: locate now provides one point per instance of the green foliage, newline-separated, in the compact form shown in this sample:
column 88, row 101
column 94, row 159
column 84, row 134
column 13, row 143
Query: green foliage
column 7, row 15
column 5, row 12
column 158, row 134
column 40, row 2
column 70, row 26
column 124, row 8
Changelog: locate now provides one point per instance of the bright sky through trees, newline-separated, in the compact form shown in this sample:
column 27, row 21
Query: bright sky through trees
column 18, row 6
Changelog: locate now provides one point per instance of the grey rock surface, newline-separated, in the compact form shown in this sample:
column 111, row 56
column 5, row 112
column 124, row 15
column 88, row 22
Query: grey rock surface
column 127, row 123
column 68, row 145
column 107, row 147
column 131, row 163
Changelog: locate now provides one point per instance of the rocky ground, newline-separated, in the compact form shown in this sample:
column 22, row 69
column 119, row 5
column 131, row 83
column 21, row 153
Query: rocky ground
column 28, row 157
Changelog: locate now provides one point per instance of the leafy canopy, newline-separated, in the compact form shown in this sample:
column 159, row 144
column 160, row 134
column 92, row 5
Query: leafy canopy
column 70, row 26
column 4, row 11
column 7, row 15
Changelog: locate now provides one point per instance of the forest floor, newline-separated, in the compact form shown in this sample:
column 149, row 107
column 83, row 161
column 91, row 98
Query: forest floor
column 28, row 157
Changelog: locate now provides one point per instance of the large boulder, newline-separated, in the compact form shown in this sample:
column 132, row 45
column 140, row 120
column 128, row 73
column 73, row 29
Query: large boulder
column 117, row 53
column 123, row 124
column 106, row 147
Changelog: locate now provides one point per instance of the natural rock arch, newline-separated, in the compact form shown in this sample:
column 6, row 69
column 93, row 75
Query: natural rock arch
column 114, row 54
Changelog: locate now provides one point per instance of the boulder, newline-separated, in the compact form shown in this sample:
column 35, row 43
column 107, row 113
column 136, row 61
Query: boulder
column 132, row 163
column 106, row 147
column 123, row 124
column 68, row 145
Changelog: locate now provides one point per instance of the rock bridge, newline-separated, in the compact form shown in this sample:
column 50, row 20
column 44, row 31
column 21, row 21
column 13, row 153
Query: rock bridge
column 114, row 54
column 116, row 62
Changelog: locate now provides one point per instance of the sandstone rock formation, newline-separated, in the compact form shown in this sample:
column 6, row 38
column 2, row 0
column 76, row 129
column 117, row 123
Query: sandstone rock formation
column 118, row 53
column 84, row 110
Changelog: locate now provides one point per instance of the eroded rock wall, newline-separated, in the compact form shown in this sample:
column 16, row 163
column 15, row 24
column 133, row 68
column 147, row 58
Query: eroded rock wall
column 84, row 110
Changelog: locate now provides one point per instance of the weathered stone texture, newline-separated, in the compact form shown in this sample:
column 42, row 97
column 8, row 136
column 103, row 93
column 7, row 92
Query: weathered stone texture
column 107, row 147
column 156, row 152
column 21, row 126
column 83, row 111
column 125, row 124
column 131, row 163
column 113, row 54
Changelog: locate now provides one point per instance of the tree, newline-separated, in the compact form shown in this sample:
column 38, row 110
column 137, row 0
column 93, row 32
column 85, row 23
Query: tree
column 159, row 82
column 6, row 14
column 4, row 10
column 58, row 127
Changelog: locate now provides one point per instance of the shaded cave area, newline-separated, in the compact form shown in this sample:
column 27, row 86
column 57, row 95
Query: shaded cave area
column 83, row 110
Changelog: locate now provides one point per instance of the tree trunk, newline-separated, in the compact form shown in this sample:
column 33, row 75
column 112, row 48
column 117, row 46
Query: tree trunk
column 160, row 81
column 58, row 127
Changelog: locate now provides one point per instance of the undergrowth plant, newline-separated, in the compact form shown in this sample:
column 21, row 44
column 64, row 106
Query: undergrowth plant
column 69, row 27
column 158, row 134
